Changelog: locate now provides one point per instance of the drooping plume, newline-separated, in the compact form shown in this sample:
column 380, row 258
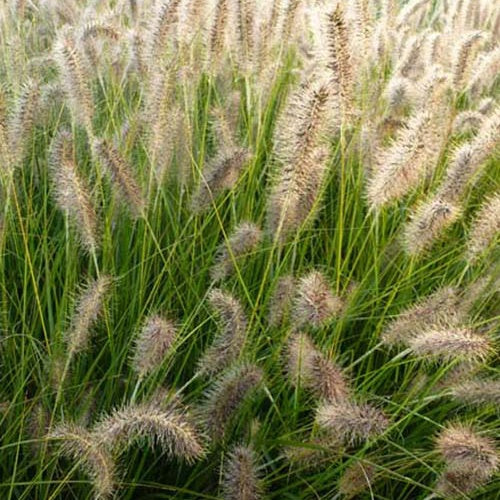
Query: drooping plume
column 244, row 239
column 230, row 339
column 168, row 426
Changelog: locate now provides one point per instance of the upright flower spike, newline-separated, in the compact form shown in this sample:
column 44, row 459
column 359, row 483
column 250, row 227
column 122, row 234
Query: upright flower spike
column 351, row 422
column 315, row 304
column 464, row 450
column 230, row 340
column 152, row 345
column 485, row 228
column 85, row 448
column 164, row 22
column 71, row 191
column 463, row 57
column 121, row 175
column 311, row 369
column 217, row 33
column 450, row 344
column 301, row 158
column 281, row 300
column 75, row 77
column 244, row 239
column 241, row 479
column 88, row 308
column 168, row 425
column 227, row 395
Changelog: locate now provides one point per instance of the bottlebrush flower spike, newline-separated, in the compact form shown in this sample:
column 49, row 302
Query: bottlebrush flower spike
column 217, row 34
column 455, row 484
column 75, row 77
column 153, row 344
column 477, row 392
column 351, row 422
column 71, row 191
column 301, row 157
column 463, row 57
column 245, row 238
column 441, row 306
column 164, row 22
column 281, row 300
column 241, row 480
column 222, row 173
column 467, row 122
column 85, row 448
column 485, row 228
column 229, row 342
column 315, row 304
column 168, row 425
column 428, row 223
column 310, row 368
column 451, row 343
column 121, row 175
column 227, row 395
column 463, row 449
column 89, row 307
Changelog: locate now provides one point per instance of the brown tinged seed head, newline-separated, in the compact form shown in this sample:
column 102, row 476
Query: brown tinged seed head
column 453, row 483
column 89, row 307
column 153, row 343
column 71, row 191
column 485, row 228
column 351, row 422
column 167, row 425
column 310, row 368
column 77, row 443
column 241, row 479
column 121, row 174
column 428, row 223
column 230, row 340
column 477, row 392
column 464, row 450
column 451, row 343
column 315, row 304
column 227, row 395
column 222, row 173
column 441, row 306
column 244, row 239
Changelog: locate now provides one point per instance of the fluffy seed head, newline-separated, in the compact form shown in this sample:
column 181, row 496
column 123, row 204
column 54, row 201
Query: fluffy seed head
column 224, row 399
column 89, row 307
column 311, row 369
column 77, row 443
column 315, row 304
column 245, row 238
column 477, row 392
column 356, row 478
column 152, row 344
column 241, row 477
column 230, row 339
column 452, row 343
column 454, row 483
column 352, row 422
column 463, row 449
column 168, row 426
column 281, row 300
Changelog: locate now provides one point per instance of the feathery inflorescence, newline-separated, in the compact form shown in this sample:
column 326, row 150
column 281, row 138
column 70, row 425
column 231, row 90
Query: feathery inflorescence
column 281, row 300
column 71, row 191
column 229, row 392
column 477, row 392
column 315, row 304
column 244, row 239
column 86, row 449
column 357, row 478
column 89, row 307
column 153, row 343
column 311, row 369
column 352, row 422
column 451, row 343
column 169, row 426
column 241, row 479
column 230, row 339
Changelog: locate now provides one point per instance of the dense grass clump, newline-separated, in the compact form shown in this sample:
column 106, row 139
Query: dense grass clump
column 249, row 249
